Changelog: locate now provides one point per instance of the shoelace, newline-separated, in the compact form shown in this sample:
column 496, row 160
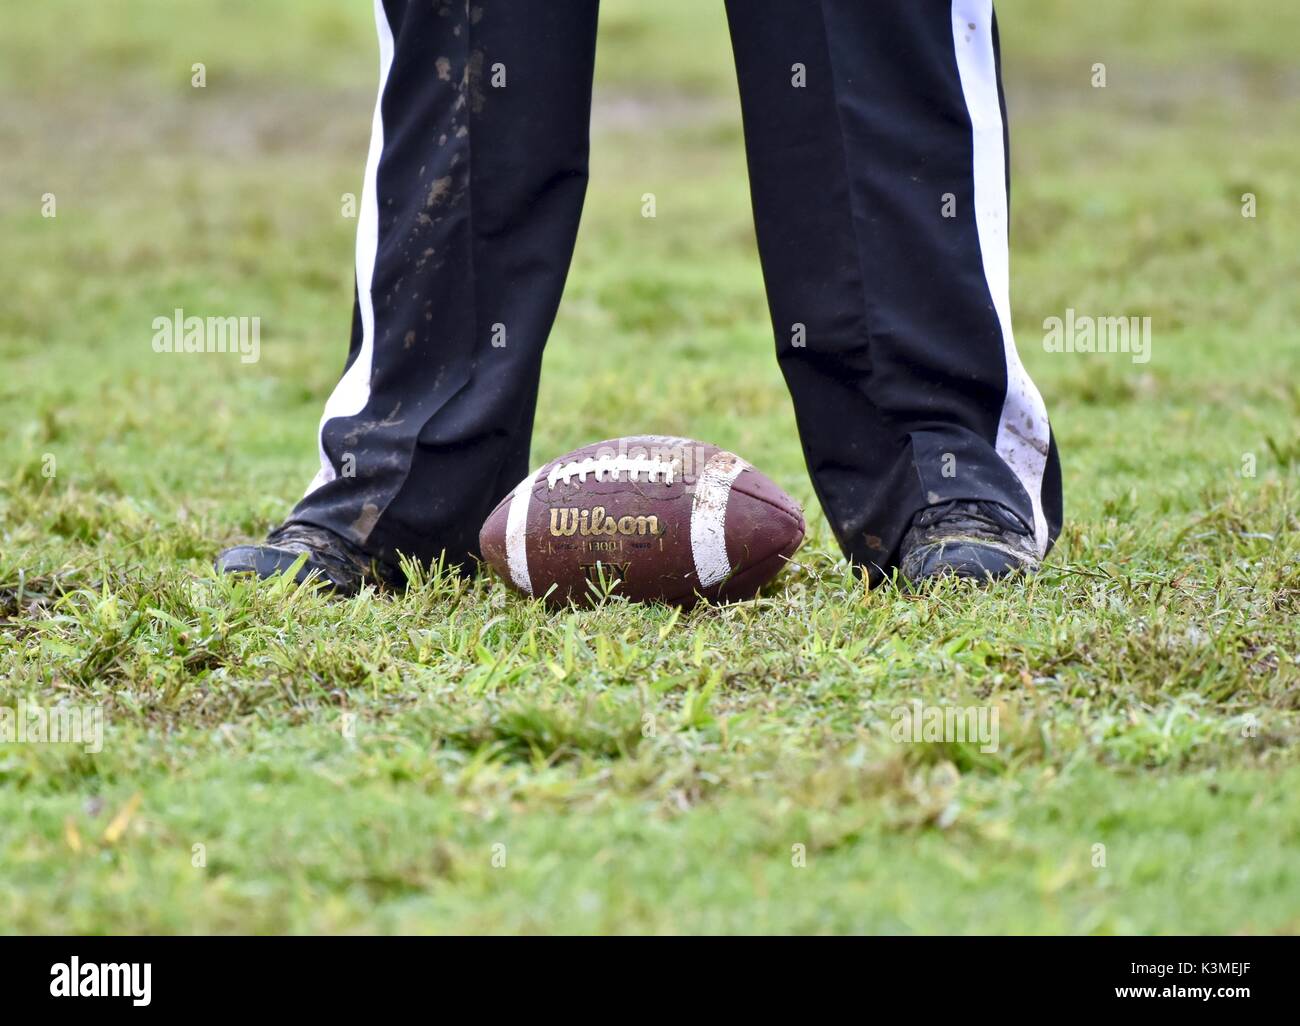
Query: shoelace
column 983, row 513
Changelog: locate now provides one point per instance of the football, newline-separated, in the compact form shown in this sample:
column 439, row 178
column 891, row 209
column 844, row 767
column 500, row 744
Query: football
column 648, row 517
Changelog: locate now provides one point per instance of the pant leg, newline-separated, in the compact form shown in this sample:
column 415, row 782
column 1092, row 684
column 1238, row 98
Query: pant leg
column 470, row 206
column 875, row 135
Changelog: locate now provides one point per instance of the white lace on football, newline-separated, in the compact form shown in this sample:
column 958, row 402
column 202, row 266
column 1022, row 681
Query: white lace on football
column 608, row 468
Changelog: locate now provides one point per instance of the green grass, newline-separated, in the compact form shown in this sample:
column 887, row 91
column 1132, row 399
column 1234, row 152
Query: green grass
column 644, row 771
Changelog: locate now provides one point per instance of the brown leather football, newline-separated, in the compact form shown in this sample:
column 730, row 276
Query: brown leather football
column 648, row 517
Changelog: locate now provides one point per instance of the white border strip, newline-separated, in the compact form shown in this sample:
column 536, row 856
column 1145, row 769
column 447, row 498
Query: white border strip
column 352, row 393
column 709, row 517
column 1022, row 428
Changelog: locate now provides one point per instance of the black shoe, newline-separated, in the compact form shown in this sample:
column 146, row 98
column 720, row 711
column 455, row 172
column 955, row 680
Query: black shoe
column 978, row 540
column 337, row 563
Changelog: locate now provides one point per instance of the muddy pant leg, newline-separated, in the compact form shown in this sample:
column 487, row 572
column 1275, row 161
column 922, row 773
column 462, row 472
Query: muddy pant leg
column 470, row 205
column 875, row 135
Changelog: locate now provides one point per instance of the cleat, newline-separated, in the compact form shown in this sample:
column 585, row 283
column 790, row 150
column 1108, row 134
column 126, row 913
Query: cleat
column 976, row 540
column 331, row 560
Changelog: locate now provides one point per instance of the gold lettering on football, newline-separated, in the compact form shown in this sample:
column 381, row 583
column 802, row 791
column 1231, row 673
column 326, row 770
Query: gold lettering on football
column 567, row 521
column 603, row 573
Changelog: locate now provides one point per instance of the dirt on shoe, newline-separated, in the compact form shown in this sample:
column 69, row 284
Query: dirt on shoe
column 331, row 559
column 970, row 539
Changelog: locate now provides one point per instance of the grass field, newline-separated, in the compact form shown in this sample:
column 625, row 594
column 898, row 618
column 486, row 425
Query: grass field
column 456, row 759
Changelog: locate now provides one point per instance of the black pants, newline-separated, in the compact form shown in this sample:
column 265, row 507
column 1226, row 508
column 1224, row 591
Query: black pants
column 875, row 132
